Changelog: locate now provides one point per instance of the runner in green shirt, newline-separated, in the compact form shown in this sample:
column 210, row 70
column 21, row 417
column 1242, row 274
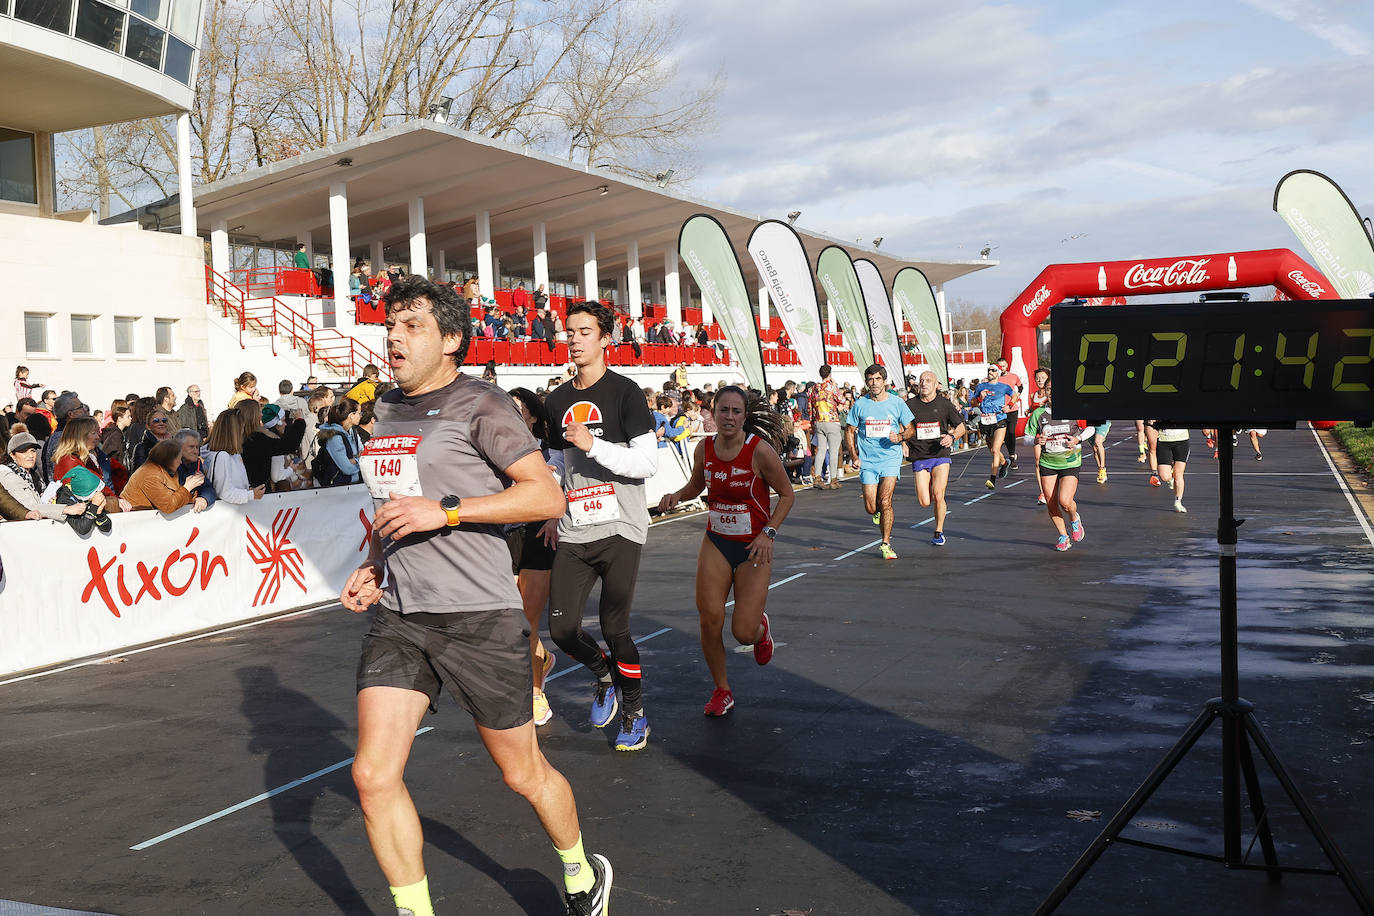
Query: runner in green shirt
column 1061, row 455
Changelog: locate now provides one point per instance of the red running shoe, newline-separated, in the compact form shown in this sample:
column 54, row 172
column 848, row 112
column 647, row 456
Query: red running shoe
column 721, row 702
column 1154, row 480
column 763, row 649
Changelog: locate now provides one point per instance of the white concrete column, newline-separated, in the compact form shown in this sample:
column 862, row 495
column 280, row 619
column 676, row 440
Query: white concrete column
column 706, row 317
column 419, row 258
column 632, row 281
column 339, row 252
column 590, row 281
column 541, row 257
column 378, row 258
column 219, row 248
column 833, row 318
column 440, row 266
column 763, row 306
column 672, row 287
column 185, row 192
column 485, row 284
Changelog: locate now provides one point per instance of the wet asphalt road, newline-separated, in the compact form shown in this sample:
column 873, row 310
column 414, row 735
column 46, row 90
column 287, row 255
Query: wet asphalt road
column 915, row 745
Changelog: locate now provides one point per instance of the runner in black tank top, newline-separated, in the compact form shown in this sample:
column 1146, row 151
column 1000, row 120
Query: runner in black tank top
column 737, row 550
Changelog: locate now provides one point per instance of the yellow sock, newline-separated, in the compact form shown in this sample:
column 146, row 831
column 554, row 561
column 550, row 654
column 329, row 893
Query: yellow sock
column 577, row 871
column 413, row 899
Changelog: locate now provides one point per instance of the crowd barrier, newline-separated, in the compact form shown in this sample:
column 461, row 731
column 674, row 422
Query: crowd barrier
column 154, row 577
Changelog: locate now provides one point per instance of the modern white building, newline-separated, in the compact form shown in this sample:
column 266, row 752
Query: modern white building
column 93, row 309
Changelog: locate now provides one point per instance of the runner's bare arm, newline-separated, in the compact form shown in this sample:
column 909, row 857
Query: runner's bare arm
column 532, row 497
column 768, row 465
column 694, row 485
column 364, row 586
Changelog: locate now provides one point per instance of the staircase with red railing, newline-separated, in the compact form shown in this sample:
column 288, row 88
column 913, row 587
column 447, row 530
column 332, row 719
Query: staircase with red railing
column 269, row 317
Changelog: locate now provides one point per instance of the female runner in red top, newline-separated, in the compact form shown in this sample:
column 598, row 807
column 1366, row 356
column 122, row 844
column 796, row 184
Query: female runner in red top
column 740, row 464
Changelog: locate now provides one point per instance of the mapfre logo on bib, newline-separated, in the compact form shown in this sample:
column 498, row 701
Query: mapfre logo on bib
column 584, row 412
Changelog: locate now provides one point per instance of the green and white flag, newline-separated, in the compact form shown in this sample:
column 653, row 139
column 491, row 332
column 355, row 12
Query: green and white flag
column 785, row 270
column 1327, row 224
column 841, row 285
column 706, row 249
column 882, row 324
column 912, row 293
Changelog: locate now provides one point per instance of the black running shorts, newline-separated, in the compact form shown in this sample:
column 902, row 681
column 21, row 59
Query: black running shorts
column 1059, row 472
column 483, row 657
column 1169, row 452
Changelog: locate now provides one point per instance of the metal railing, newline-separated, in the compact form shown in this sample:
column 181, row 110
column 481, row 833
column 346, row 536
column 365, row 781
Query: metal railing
column 347, row 354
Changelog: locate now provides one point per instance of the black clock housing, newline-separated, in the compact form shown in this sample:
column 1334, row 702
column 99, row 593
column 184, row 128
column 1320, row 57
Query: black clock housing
column 1232, row 364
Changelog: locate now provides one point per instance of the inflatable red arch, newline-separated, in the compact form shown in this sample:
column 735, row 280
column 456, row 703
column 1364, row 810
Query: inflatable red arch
column 1105, row 280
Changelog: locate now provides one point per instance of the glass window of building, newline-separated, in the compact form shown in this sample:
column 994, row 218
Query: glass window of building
column 178, row 65
column 144, row 44
column 18, row 171
column 4, row 7
column 152, row 10
column 164, row 336
column 185, row 18
column 125, row 335
column 36, row 332
column 99, row 24
column 50, row 14
column 83, row 334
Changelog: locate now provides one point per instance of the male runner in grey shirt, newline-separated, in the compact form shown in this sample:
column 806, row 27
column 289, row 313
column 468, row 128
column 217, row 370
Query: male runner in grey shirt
column 450, row 464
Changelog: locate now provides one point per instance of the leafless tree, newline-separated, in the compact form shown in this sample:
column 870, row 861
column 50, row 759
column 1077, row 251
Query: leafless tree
column 590, row 78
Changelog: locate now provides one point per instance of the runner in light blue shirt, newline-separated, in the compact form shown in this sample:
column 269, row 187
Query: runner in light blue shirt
column 880, row 421
column 991, row 397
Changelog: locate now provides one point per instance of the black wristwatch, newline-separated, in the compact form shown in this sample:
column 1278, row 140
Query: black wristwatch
column 451, row 505
column 772, row 533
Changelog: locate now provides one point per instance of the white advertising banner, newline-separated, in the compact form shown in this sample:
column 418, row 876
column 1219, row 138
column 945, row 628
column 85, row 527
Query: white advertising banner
column 785, row 269
column 881, row 322
column 65, row 597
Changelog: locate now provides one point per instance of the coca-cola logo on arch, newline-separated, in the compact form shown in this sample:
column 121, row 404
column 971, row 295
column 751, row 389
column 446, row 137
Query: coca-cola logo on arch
column 1183, row 272
column 1311, row 287
column 1041, row 295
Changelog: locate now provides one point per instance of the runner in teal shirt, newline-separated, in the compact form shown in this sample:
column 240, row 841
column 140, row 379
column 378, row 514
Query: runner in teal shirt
column 880, row 421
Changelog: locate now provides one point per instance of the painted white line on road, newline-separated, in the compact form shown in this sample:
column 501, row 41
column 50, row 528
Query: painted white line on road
column 845, row 556
column 253, row 801
column 1349, row 497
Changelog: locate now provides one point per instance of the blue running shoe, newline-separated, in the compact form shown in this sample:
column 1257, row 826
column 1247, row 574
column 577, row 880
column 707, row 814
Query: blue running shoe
column 1004, row 470
column 938, row 540
column 634, row 733
column 1063, row 543
column 604, row 704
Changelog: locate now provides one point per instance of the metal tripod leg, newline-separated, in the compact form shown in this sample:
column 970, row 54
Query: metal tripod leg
column 1252, row 787
column 1333, row 853
column 1133, row 805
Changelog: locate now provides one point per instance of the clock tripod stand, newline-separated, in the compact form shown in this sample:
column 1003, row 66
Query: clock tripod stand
column 1239, row 730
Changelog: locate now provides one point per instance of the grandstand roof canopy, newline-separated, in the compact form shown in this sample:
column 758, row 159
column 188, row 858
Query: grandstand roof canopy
column 458, row 174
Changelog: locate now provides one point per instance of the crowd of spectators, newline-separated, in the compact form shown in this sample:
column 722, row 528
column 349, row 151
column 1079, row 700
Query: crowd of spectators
column 63, row 461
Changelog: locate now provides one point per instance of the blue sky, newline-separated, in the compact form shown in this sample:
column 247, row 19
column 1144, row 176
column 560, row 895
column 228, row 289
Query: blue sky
column 1057, row 131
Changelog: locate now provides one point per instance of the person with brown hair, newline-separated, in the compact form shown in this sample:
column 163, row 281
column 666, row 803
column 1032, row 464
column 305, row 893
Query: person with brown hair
column 260, row 446
column 245, row 387
column 76, row 448
column 224, row 460
column 154, row 485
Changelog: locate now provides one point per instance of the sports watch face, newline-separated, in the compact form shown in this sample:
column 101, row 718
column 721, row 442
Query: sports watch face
column 449, row 503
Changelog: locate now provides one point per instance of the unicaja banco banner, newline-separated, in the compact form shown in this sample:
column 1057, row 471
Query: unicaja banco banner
column 785, row 271
column 841, row 285
column 1327, row 224
column 706, row 249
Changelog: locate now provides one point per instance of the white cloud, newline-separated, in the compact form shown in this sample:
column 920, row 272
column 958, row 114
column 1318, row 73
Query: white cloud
column 1316, row 20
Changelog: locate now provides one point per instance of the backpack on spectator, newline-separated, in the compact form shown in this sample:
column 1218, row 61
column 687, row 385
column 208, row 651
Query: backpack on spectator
column 323, row 468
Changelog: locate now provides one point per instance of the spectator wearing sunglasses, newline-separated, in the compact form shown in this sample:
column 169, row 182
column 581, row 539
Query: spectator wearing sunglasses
column 159, row 430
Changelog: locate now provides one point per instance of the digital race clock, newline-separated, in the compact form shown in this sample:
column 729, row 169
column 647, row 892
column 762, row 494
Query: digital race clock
column 1236, row 364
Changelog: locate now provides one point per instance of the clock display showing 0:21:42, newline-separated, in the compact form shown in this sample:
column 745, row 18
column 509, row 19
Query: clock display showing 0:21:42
column 1277, row 360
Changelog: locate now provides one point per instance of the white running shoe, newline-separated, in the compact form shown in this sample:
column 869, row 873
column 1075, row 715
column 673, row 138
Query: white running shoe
column 1178, row 506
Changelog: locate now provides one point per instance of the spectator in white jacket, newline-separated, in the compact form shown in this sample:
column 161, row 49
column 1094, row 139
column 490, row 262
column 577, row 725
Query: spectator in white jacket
column 223, row 461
